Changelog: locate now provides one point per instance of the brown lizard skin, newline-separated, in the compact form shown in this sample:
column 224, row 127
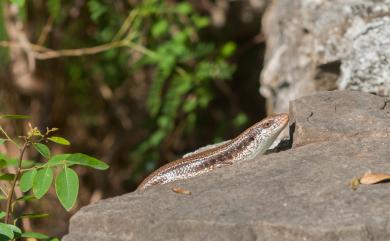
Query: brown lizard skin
column 252, row 142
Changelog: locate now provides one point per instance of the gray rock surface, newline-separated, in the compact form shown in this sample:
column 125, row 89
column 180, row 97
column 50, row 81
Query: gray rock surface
column 325, row 45
column 339, row 115
column 299, row 194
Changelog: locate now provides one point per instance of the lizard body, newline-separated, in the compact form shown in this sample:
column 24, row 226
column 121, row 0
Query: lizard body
column 252, row 142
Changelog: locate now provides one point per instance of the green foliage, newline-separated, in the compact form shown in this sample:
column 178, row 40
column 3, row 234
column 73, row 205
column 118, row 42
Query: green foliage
column 240, row 120
column 184, row 66
column 34, row 235
column 38, row 177
column 42, row 149
column 54, row 7
column 20, row 3
column 228, row 49
column 59, row 140
column 85, row 160
column 26, row 181
column 96, row 9
column 165, row 42
column 58, row 159
column 7, row 176
column 183, row 8
column 67, row 187
column 6, row 230
column 42, row 182
column 34, row 215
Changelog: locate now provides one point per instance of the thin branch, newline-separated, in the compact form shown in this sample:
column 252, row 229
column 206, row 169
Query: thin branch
column 45, row 31
column 140, row 48
column 8, row 138
column 126, row 24
column 51, row 54
column 43, row 53
column 12, row 189
column 4, row 191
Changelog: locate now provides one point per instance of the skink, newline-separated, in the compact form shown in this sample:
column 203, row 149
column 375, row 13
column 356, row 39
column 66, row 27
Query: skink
column 252, row 142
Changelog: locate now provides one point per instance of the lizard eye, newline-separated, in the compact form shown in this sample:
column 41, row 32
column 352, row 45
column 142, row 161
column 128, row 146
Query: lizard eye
column 267, row 124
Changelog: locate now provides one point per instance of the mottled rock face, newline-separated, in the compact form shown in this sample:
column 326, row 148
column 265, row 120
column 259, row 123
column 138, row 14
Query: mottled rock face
column 299, row 194
column 325, row 45
column 338, row 115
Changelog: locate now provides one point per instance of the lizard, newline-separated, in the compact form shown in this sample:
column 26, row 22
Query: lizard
column 251, row 143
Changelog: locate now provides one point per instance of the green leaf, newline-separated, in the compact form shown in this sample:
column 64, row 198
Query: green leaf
column 34, row 235
column 2, row 141
column 25, row 198
column 228, row 49
column 26, row 181
column 6, row 231
column 28, row 163
column 59, row 140
column 7, row 161
column 96, row 9
column 85, row 160
column 184, row 8
column 200, row 21
column 190, row 105
column 3, row 163
column 16, row 230
column 160, row 28
column 54, row 7
column 57, row 159
column 7, row 176
column 3, row 157
column 34, row 215
column 240, row 120
column 2, row 214
column 67, row 187
column 7, row 116
column 42, row 149
column 42, row 182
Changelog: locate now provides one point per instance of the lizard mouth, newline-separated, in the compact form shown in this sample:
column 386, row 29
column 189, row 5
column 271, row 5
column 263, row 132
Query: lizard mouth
column 281, row 119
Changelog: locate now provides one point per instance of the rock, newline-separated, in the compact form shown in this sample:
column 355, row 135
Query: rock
column 325, row 45
column 339, row 115
column 365, row 66
column 299, row 194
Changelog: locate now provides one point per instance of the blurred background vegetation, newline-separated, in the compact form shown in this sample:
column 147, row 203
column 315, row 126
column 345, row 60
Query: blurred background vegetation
column 134, row 83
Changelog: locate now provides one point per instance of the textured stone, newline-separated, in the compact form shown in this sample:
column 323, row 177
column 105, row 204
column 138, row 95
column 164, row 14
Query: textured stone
column 299, row 194
column 325, row 45
column 366, row 66
column 339, row 115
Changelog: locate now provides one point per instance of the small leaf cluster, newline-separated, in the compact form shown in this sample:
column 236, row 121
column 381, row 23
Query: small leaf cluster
column 12, row 232
column 35, row 178
column 40, row 178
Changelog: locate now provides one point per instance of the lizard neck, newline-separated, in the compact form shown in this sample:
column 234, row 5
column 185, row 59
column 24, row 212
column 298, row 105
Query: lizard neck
column 254, row 141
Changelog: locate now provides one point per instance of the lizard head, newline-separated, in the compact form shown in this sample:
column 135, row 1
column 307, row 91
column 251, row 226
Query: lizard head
column 273, row 125
column 266, row 131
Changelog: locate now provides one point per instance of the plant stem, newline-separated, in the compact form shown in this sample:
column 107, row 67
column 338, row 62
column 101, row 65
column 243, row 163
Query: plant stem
column 12, row 189
column 8, row 138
